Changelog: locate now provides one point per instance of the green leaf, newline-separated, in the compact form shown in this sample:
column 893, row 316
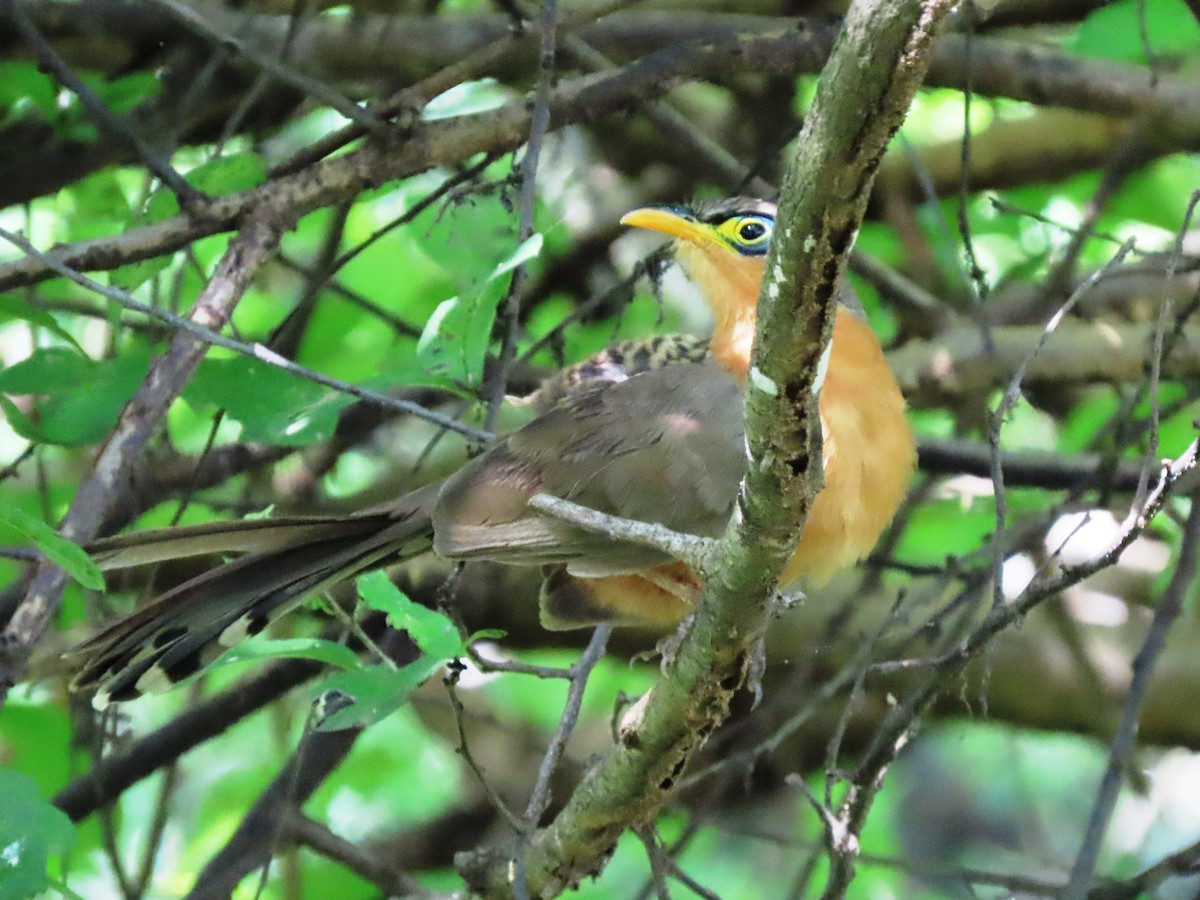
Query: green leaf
column 71, row 127
column 363, row 697
column 1087, row 419
column 31, row 831
column 133, row 275
column 487, row 634
column 45, row 371
column 124, row 93
column 1115, row 31
column 57, row 548
column 464, row 99
column 223, row 175
column 19, row 422
column 217, row 177
column 317, row 649
column 21, row 82
column 530, row 249
column 435, row 634
column 456, row 337
column 83, row 399
column 273, row 406
column 99, row 207
column 467, row 240
column 229, row 174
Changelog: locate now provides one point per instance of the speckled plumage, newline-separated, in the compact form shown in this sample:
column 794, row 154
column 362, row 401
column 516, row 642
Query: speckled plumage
column 619, row 362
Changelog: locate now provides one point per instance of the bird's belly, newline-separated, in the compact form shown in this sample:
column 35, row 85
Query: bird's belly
column 869, row 460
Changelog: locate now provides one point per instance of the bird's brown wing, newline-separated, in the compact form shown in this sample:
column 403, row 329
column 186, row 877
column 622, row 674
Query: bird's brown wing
column 664, row 446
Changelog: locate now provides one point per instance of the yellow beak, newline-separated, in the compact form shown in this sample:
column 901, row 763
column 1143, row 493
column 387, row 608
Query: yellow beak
column 674, row 221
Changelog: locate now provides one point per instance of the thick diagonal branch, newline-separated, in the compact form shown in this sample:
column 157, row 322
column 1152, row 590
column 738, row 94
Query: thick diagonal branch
column 858, row 107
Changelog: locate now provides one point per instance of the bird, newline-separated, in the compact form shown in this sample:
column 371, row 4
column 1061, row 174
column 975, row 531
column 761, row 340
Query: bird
column 647, row 429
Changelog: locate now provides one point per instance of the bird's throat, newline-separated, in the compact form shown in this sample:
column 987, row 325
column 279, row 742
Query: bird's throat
column 733, row 341
column 729, row 284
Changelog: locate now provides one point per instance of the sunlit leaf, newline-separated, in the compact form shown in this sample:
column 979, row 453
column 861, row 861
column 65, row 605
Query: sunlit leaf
column 273, row 406
column 435, row 634
column 1131, row 29
column 464, row 99
column 316, row 649
column 455, row 340
column 57, row 548
column 22, row 83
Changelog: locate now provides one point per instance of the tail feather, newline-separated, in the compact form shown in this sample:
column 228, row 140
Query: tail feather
column 246, row 536
column 190, row 626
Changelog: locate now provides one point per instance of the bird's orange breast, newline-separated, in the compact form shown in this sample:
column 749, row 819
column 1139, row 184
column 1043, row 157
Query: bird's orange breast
column 868, row 452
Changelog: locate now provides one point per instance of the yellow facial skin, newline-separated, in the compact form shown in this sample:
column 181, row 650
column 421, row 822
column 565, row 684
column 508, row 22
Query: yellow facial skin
column 749, row 235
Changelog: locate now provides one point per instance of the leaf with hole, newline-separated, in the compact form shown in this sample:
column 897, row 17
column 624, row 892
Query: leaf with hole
column 366, row 696
column 435, row 634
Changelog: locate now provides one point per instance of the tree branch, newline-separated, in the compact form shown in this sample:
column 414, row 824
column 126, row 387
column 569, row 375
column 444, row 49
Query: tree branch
column 141, row 417
column 1000, row 69
column 858, row 107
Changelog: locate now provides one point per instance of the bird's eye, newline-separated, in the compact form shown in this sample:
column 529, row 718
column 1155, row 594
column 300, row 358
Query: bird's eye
column 751, row 231
column 749, row 235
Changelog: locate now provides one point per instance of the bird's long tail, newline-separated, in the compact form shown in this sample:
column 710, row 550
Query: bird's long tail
column 283, row 561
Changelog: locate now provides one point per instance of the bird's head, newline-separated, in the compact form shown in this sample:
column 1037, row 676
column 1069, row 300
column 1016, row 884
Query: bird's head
column 722, row 246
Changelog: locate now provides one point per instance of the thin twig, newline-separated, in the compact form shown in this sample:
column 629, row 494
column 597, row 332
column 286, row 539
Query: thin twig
column 373, row 868
column 1008, row 402
column 658, row 877
column 276, row 68
column 539, row 799
column 458, row 178
column 105, row 119
column 663, row 863
column 139, row 420
column 516, row 666
column 1180, row 863
column 254, row 351
column 697, row 552
column 539, row 124
column 464, row 750
column 405, row 105
column 1167, row 611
